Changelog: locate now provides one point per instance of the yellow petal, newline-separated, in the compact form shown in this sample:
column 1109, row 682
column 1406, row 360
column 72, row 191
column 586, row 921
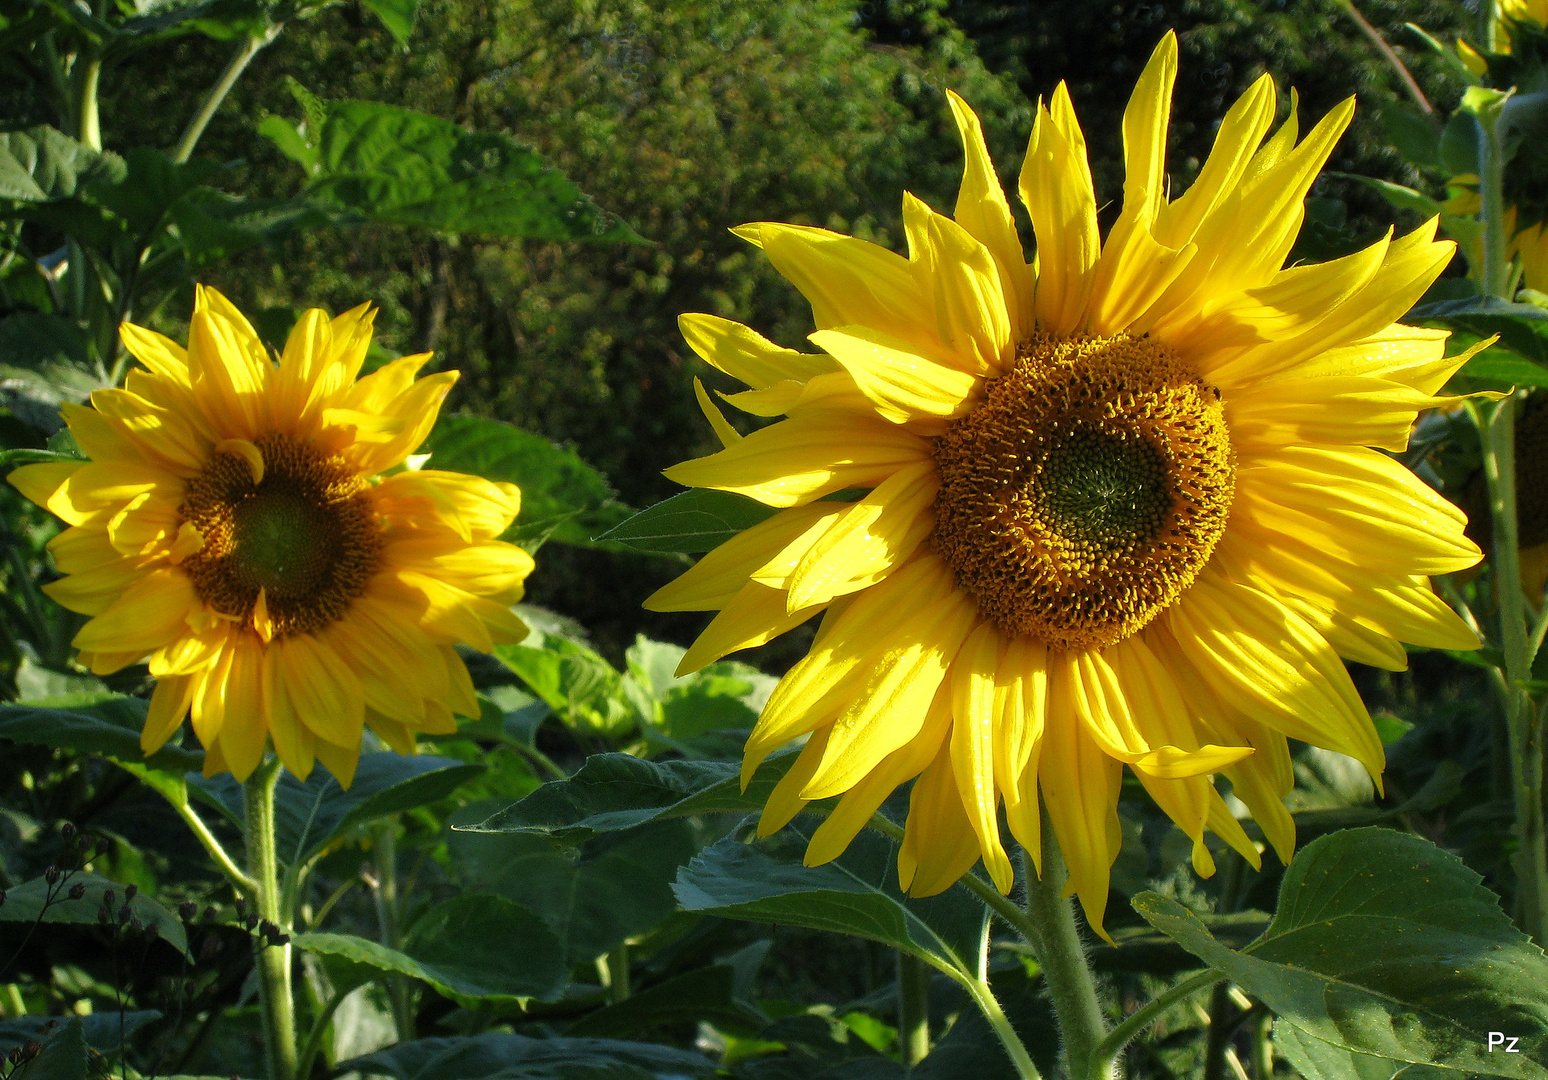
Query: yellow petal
column 804, row 458
column 323, row 690
column 983, row 211
column 757, row 614
column 903, row 385
column 145, row 617
column 168, row 706
column 1056, row 187
column 939, row 845
column 713, row 581
column 786, row 800
column 973, row 748
column 744, row 354
column 972, row 323
column 723, row 429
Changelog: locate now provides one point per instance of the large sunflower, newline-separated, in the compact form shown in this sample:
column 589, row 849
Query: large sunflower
column 1120, row 507
column 234, row 525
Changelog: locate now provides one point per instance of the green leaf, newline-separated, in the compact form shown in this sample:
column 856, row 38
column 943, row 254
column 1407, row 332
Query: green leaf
column 41, row 163
column 31, row 901
column 857, row 894
column 1404, row 198
column 1415, row 136
column 311, row 815
column 593, row 896
column 1498, row 365
column 1385, row 945
column 612, row 792
column 693, row 521
column 1316, row 1060
column 396, row 15
column 106, row 724
column 1523, row 328
column 471, row 948
column 104, row 1031
column 583, row 689
column 561, row 495
column 1459, row 144
column 707, row 995
column 517, row 1057
column 63, row 1056
column 395, row 166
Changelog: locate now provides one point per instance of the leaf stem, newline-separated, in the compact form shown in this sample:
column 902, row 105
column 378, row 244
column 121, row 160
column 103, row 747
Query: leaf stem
column 1391, row 57
column 250, row 48
column 243, row 881
column 989, row 1005
column 314, row 1038
column 88, row 125
column 274, row 987
column 1106, row 1053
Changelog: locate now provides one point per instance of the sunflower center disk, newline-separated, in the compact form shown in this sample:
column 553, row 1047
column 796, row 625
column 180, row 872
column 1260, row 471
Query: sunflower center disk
column 1086, row 491
column 306, row 535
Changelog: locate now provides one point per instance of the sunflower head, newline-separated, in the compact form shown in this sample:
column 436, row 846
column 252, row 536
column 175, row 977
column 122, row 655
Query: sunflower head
column 246, row 524
column 1121, row 507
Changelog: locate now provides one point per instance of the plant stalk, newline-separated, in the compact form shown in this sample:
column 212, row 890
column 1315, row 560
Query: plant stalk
column 250, row 48
column 1106, row 1054
column 1061, row 954
column 913, row 1009
column 274, row 983
column 995, row 1015
column 88, row 125
column 384, row 839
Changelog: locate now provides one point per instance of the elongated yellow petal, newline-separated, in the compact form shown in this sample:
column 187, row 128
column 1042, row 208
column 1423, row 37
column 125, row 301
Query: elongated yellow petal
column 804, row 458
column 973, row 745
column 744, row 354
column 903, row 385
column 1055, row 186
column 983, row 211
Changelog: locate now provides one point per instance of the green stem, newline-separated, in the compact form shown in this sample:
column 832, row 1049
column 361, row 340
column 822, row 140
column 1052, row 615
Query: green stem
column 1262, row 1045
column 314, row 1038
column 990, row 1007
column 1486, row 10
column 1491, row 191
column 212, row 846
column 1524, row 724
column 1220, row 1032
column 1061, row 955
column 88, row 126
column 618, row 973
column 250, row 48
column 384, row 839
column 913, row 1009
column 1106, row 1054
column 274, row 985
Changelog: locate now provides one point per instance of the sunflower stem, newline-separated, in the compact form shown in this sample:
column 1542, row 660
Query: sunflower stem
column 1524, row 723
column 989, row 1005
column 1061, row 955
column 913, row 1008
column 274, row 986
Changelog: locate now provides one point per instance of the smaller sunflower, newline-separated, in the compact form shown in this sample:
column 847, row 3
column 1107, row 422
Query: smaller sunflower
column 249, row 528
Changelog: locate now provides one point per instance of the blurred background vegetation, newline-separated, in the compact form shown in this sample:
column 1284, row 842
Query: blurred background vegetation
column 686, row 118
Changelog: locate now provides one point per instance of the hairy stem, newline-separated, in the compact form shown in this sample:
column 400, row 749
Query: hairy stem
column 1104, row 1057
column 249, row 48
column 274, row 985
column 1061, row 954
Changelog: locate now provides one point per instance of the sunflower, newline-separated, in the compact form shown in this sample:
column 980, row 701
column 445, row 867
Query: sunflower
column 1120, row 507
column 249, row 529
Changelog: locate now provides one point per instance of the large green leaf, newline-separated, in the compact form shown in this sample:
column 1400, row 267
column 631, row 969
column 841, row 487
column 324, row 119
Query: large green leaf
column 1523, row 328
column 392, row 165
column 41, row 163
column 1316, row 1060
column 1387, row 946
column 562, row 498
column 106, row 724
column 516, row 1057
column 31, row 901
column 693, row 521
column 396, row 15
column 310, row 815
column 64, row 1055
column 616, row 791
column 857, row 894
column 471, row 948
column 593, row 897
